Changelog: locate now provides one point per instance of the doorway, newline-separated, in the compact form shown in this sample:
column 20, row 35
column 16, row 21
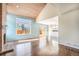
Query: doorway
column 51, row 35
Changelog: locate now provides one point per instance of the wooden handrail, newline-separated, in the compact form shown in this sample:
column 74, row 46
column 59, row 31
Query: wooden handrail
column 5, row 52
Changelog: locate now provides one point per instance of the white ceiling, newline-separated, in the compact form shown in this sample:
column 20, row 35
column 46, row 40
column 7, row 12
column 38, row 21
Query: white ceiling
column 49, row 11
column 50, row 21
column 64, row 7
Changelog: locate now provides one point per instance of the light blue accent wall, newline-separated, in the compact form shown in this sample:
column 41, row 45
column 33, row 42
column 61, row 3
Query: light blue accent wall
column 11, row 28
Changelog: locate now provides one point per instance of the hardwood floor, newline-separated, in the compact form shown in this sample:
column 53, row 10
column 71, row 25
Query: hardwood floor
column 32, row 48
column 68, row 51
column 40, row 47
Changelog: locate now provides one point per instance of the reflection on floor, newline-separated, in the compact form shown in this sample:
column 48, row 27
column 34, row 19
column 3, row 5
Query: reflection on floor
column 39, row 47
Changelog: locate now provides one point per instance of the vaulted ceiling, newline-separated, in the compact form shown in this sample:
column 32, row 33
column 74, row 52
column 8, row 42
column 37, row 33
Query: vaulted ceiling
column 30, row 10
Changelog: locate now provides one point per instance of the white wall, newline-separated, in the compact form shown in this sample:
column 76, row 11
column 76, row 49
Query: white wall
column 69, row 25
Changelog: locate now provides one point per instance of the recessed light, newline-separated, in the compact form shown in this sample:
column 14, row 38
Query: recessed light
column 17, row 6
